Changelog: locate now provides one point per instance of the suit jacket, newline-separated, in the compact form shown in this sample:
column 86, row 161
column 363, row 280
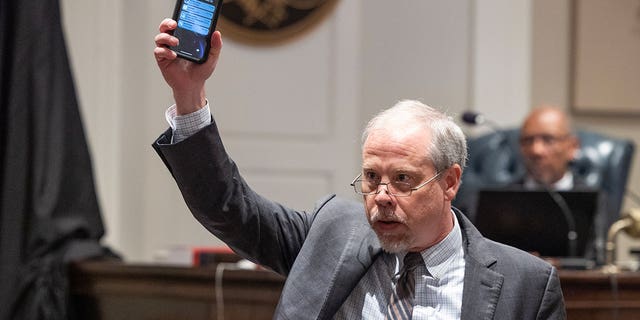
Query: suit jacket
column 324, row 253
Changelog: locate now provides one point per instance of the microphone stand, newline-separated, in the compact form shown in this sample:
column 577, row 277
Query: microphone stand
column 572, row 234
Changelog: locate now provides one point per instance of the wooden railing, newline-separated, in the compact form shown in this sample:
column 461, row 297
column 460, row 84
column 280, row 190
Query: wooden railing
column 112, row 290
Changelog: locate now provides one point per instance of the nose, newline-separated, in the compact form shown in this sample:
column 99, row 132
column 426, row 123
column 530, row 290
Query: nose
column 382, row 197
column 538, row 147
column 386, row 186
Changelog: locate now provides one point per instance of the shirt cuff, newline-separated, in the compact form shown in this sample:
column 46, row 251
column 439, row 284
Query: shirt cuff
column 187, row 125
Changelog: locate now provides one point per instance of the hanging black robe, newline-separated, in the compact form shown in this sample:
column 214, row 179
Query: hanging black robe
column 49, row 210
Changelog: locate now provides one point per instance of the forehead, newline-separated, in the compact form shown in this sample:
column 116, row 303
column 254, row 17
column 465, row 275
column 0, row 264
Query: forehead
column 546, row 122
column 398, row 145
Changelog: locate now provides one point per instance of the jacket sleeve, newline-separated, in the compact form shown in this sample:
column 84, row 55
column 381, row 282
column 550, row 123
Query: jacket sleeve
column 258, row 229
column 552, row 305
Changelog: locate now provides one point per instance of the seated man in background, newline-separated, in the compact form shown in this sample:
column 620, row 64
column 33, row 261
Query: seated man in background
column 541, row 153
column 548, row 145
column 546, row 154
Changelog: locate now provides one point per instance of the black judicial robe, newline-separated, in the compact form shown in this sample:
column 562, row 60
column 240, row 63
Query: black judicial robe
column 49, row 210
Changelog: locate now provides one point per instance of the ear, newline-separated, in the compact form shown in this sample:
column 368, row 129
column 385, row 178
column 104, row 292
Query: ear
column 574, row 147
column 451, row 181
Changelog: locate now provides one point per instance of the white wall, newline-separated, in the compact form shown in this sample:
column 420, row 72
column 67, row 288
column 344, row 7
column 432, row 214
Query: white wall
column 406, row 54
column 502, row 46
column 290, row 115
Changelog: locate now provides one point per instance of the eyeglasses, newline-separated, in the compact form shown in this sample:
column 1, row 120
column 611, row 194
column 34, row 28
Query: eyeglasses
column 546, row 139
column 396, row 188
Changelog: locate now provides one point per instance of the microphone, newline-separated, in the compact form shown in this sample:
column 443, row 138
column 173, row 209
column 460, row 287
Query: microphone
column 473, row 118
column 477, row 119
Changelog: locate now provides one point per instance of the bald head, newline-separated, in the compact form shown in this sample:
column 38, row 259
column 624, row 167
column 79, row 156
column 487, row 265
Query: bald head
column 548, row 119
column 547, row 144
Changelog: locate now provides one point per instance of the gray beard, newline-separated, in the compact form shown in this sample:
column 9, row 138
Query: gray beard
column 391, row 245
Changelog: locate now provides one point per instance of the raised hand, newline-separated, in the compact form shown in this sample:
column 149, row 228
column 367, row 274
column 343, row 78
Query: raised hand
column 185, row 78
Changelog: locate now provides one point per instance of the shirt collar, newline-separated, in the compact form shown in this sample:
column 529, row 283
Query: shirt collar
column 565, row 183
column 438, row 257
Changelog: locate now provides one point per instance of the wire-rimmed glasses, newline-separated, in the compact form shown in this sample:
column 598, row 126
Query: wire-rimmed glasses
column 396, row 188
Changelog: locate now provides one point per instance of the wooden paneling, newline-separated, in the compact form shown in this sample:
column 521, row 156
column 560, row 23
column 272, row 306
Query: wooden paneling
column 105, row 291
column 595, row 295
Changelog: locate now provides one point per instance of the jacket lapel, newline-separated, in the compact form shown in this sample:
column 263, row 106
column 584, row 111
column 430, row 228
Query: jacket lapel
column 482, row 285
column 481, row 291
column 331, row 263
column 358, row 255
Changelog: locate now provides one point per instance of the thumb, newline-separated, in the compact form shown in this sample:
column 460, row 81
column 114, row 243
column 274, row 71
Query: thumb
column 216, row 45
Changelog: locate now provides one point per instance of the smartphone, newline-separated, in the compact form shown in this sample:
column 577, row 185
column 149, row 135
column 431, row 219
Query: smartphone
column 196, row 22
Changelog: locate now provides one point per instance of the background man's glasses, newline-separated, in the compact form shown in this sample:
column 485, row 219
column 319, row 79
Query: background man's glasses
column 546, row 139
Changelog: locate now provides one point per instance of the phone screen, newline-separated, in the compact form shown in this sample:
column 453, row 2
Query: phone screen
column 196, row 21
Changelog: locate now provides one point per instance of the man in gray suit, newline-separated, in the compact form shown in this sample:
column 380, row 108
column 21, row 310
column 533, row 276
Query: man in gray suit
column 344, row 260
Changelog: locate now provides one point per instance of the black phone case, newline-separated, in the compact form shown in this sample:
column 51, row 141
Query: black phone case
column 212, row 27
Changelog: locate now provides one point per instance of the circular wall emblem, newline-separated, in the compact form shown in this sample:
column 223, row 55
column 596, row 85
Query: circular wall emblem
column 271, row 21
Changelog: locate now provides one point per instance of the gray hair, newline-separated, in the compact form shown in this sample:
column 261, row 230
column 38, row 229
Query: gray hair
column 448, row 143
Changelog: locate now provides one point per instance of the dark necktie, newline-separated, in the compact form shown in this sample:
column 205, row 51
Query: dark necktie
column 401, row 300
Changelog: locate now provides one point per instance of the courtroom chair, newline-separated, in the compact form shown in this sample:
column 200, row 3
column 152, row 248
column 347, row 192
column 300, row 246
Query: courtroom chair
column 602, row 162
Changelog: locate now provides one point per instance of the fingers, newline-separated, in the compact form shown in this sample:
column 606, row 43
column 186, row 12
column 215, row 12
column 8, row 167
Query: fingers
column 164, row 53
column 165, row 40
column 167, row 25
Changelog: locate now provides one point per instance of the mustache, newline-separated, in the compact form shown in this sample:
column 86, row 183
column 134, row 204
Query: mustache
column 385, row 215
